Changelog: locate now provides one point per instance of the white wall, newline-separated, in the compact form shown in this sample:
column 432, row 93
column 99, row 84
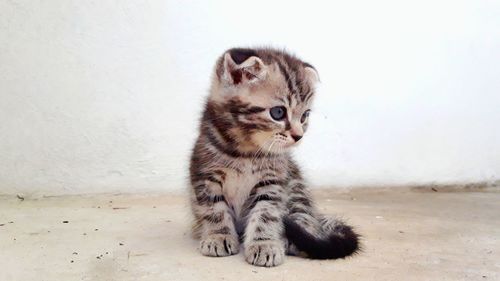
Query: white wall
column 104, row 96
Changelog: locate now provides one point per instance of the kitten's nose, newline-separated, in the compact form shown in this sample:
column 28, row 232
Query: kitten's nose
column 296, row 137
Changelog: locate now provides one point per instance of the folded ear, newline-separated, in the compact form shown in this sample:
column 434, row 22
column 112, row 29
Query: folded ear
column 311, row 73
column 243, row 66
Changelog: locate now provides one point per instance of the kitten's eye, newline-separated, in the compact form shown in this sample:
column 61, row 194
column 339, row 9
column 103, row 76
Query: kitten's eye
column 278, row 112
column 305, row 115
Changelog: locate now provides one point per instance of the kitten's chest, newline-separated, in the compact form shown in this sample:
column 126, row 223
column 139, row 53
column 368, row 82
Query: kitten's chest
column 238, row 185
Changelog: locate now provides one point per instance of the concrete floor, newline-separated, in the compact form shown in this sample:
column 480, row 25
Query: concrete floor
column 411, row 235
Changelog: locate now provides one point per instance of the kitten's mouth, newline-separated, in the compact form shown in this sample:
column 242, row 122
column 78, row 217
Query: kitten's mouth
column 285, row 145
column 278, row 143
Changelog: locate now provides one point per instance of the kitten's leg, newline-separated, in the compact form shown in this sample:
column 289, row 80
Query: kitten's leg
column 264, row 242
column 217, row 230
column 302, row 211
column 317, row 236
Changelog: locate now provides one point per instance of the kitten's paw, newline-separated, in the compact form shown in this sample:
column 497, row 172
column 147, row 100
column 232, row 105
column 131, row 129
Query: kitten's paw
column 219, row 245
column 265, row 253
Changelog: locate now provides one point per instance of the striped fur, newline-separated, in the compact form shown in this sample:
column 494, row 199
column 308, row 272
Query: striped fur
column 246, row 188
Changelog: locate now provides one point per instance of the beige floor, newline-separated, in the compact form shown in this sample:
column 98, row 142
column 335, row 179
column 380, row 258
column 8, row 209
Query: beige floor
column 407, row 236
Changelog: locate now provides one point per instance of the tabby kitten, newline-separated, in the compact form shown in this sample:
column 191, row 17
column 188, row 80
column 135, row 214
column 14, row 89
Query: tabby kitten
column 246, row 188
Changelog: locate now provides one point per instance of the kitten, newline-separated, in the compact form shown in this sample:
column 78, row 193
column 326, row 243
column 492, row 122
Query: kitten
column 246, row 188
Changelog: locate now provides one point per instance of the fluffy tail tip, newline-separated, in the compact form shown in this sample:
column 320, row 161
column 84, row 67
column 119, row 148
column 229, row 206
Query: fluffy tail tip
column 341, row 243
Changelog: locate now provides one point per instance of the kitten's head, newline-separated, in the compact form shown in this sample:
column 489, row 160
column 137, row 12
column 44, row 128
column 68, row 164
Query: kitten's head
column 260, row 100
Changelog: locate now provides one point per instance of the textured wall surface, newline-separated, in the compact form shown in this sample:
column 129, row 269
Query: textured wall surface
column 104, row 96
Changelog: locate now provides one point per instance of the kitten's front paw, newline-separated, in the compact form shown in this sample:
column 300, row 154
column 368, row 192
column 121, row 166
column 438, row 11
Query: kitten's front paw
column 219, row 245
column 265, row 253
